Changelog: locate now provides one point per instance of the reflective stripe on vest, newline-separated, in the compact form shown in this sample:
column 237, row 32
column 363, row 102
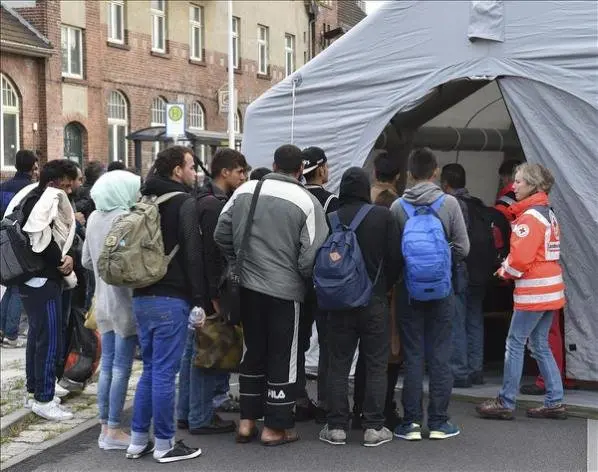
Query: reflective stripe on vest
column 539, row 282
column 508, row 200
column 531, row 299
column 510, row 270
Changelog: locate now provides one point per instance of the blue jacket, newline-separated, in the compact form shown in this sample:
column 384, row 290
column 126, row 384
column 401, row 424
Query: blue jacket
column 11, row 187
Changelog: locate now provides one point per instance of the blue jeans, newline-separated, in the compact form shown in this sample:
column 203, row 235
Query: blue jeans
column 162, row 330
column 115, row 370
column 222, row 389
column 10, row 312
column 468, row 333
column 426, row 335
column 197, row 388
column 532, row 325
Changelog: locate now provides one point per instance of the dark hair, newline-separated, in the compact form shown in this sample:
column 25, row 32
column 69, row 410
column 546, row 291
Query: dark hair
column 508, row 167
column 386, row 168
column 259, row 173
column 169, row 159
column 57, row 170
column 288, row 159
column 454, row 175
column 386, row 198
column 25, row 160
column 116, row 165
column 93, row 170
column 422, row 164
column 226, row 158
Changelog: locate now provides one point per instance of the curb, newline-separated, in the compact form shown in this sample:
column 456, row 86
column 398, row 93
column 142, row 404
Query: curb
column 12, row 419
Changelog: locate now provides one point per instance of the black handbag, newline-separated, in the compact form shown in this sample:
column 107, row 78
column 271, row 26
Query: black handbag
column 230, row 289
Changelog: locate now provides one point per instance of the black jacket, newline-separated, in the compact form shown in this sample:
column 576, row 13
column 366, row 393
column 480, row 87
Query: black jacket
column 185, row 277
column 328, row 200
column 84, row 202
column 378, row 234
column 210, row 202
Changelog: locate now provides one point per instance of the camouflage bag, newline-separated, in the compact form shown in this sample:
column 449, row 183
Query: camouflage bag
column 218, row 345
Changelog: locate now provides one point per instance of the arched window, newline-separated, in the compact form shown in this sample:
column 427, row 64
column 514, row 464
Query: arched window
column 118, row 124
column 238, row 122
column 158, row 119
column 73, row 143
column 196, row 116
column 9, row 124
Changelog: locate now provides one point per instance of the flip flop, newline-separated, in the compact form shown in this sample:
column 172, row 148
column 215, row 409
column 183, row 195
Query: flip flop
column 244, row 439
column 286, row 439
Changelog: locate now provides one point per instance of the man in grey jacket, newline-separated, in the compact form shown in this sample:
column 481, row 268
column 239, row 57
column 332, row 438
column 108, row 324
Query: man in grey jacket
column 426, row 326
column 288, row 228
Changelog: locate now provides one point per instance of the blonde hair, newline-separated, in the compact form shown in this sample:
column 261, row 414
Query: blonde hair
column 536, row 175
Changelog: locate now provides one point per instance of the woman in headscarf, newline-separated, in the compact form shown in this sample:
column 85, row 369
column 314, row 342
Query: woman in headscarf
column 113, row 194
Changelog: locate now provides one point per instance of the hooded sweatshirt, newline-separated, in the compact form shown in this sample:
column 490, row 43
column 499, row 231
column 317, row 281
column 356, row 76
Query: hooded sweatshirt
column 113, row 195
column 426, row 193
column 378, row 234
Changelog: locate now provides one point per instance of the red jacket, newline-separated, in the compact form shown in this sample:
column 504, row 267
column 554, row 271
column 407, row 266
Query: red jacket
column 534, row 257
column 504, row 201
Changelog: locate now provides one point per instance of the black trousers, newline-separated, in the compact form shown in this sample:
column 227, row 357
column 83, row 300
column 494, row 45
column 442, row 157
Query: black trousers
column 306, row 321
column 370, row 326
column 268, row 371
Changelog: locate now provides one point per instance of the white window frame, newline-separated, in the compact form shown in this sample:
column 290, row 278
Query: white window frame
column 12, row 108
column 158, row 12
column 158, row 115
column 195, row 27
column 113, row 6
column 196, row 112
column 263, row 33
column 236, row 43
column 70, row 32
column 289, row 53
column 115, row 122
column 237, row 123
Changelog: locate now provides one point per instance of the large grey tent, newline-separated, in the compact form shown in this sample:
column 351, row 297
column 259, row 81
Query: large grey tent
column 542, row 54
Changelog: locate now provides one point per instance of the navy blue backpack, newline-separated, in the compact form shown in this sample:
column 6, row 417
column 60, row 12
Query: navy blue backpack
column 341, row 279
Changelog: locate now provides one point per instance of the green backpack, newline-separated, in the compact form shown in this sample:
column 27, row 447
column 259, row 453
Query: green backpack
column 133, row 253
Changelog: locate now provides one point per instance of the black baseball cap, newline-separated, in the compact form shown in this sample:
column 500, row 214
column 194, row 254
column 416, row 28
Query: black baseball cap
column 313, row 157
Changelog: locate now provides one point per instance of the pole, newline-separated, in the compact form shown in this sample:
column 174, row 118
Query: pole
column 232, row 106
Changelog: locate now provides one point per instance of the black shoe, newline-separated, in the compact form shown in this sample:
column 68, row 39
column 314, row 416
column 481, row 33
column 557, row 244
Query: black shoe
column 305, row 412
column 462, row 383
column 532, row 389
column 321, row 415
column 477, row 378
column 132, row 454
column 179, row 452
column 182, row 424
column 216, row 426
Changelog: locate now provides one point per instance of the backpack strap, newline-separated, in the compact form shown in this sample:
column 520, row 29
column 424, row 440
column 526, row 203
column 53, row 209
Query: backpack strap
column 167, row 196
column 360, row 216
column 408, row 208
column 248, row 224
column 335, row 222
column 328, row 200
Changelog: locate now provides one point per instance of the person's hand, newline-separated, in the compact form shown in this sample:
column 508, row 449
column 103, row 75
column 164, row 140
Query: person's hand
column 67, row 265
column 216, row 305
column 80, row 218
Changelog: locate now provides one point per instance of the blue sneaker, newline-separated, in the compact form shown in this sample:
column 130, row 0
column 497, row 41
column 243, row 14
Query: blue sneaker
column 409, row 432
column 444, row 431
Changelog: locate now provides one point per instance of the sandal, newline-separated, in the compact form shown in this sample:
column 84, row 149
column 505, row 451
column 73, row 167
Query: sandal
column 244, row 439
column 289, row 437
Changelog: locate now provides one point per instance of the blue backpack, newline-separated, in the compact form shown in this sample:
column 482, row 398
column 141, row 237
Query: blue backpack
column 341, row 279
column 426, row 252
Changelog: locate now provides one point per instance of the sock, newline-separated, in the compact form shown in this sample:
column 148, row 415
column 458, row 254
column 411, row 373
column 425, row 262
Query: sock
column 163, row 446
column 139, row 440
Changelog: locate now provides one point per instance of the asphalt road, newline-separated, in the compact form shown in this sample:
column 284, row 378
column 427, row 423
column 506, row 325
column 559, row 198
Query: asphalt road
column 483, row 446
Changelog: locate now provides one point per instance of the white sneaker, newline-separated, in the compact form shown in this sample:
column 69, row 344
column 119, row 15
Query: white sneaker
column 59, row 391
column 29, row 401
column 51, row 411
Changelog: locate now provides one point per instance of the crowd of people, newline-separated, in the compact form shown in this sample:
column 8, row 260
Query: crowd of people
column 423, row 260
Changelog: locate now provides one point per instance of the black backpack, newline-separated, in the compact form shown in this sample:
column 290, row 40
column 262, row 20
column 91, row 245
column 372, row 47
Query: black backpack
column 485, row 232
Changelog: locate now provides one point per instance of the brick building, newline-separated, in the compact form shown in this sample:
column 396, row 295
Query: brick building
column 79, row 76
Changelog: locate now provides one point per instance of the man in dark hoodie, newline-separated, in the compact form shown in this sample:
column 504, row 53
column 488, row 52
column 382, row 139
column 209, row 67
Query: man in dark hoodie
column 426, row 326
column 162, row 310
column 378, row 239
column 197, row 387
column 83, row 202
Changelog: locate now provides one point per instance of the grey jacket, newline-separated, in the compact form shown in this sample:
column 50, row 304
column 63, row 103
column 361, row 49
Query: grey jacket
column 113, row 305
column 288, row 229
column 450, row 213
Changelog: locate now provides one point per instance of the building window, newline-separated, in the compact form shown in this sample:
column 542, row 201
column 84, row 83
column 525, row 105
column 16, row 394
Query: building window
column 9, row 124
column 289, row 53
column 117, row 127
column 196, row 116
column 361, row 4
column 196, row 31
column 72, row 52
column 116, row 21
column 73, row 143
column 158, row 119
column 158, row 11
column 262, row 49
column 237, row 124
column 236, row 34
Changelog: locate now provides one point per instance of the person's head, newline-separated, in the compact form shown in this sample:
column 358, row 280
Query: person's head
column 423, row 165
column 116, row 165
column 93, row 170
column 386, row 169
column 79, row 180
column 355, row 186
column 259, row 173
column 531, row 179
column 176, row 163
column 315, row 165
column 116, row 190
column 229, row 169
column 386, row 198
column 27, row 162
column 60, row 173
column 506, row 171
column 288, row 160
column 452, row 177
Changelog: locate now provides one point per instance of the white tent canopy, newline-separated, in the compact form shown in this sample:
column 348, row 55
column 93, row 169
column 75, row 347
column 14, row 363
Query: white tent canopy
column 545, row 59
